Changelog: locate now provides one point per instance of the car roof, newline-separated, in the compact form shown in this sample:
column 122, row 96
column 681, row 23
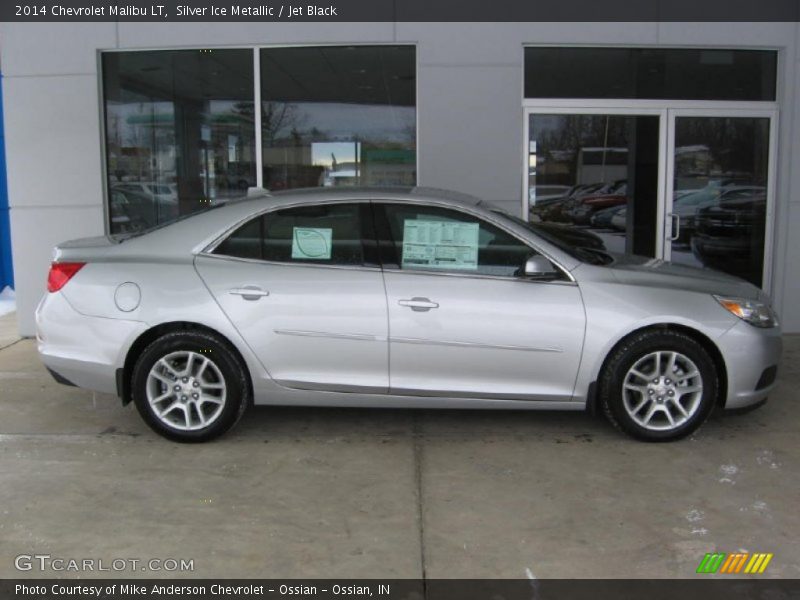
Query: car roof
column 318, row 194
column 215, row 217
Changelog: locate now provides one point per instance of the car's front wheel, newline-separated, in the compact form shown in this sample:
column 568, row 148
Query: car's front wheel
column 189, row 386
column 658, row 385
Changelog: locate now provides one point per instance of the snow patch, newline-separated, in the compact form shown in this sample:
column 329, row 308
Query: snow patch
column 694, row 515
column 728, row 471
column 767, row 458
column 8, row 301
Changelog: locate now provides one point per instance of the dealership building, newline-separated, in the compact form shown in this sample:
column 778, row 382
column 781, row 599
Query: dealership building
column 678, row 141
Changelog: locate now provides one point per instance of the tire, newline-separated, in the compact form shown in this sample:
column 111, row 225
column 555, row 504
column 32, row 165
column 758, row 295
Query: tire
column 668, row 376
column 190, row 386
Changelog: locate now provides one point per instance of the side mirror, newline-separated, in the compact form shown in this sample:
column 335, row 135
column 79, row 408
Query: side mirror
column 539, row 267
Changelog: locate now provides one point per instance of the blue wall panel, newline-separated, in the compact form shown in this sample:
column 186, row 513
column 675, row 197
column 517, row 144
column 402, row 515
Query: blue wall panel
column 6, row 268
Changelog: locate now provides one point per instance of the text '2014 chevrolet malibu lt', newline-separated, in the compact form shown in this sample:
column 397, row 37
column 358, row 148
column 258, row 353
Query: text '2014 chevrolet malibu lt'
column 396, row 297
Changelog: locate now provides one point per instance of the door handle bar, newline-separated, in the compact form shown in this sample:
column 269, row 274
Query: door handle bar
column 418, row 304
column 676, row 227
column 249, row 293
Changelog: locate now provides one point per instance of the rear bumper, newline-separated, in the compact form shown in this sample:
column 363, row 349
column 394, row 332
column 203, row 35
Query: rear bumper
column 752, row 356
column 85, row 351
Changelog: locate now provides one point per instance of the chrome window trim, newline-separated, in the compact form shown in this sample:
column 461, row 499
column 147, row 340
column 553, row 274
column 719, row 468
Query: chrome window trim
column 272, row 263
column 571, row 281
column 209, row 248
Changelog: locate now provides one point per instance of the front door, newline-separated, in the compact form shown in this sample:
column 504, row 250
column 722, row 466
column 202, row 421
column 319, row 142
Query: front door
column 297, row 285
column 463, row 321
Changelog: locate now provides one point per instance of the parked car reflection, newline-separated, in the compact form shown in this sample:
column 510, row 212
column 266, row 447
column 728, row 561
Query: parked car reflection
column 161, row 191
column 620, row 219
column 602, row 218
column 558, row 209
column 729, row 233
column 136, row 211
column 614, row 194
column 686, row 205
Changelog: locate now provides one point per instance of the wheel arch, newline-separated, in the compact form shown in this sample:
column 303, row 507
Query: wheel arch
column 698, row 336
column 147, row 337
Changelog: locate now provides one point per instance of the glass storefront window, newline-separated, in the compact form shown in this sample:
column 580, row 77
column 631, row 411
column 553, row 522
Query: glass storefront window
column 179, row 132
column 180, row 125
column 338, row 115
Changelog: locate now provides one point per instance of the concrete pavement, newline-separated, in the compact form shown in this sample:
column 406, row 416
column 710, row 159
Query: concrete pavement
column 296, row 492
column 8, row 329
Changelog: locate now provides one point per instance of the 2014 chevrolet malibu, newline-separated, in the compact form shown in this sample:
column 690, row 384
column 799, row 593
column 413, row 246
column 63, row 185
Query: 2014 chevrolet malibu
column 396, row 298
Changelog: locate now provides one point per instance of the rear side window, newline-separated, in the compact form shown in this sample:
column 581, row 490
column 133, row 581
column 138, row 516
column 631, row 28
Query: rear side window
column 325, row 234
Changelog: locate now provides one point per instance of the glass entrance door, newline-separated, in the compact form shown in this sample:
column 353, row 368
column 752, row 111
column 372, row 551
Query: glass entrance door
column 598, row 173
column 717, row 191
column 692, row 186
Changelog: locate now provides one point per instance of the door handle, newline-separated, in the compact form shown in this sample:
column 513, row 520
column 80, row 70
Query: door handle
column 418, row 304
column 249, row 292
column 676, row 227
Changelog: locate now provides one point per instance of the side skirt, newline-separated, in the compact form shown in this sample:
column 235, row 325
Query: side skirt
column 288, row 397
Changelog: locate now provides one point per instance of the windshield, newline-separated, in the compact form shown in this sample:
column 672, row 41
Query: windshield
column 574, row 242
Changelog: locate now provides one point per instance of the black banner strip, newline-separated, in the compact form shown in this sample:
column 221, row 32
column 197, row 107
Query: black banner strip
column 702, row 588
column 401, row 10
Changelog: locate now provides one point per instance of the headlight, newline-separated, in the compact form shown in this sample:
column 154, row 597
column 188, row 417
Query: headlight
column 754, row 312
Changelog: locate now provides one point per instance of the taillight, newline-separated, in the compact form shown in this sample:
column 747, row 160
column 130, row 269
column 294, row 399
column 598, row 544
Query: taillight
column 61, row 273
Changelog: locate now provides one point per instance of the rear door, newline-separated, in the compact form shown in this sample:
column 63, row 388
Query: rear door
column 301, row 288
column 464, row 320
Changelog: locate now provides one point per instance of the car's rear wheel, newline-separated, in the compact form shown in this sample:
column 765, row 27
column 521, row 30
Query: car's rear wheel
column 659, row 385
column 189, row 386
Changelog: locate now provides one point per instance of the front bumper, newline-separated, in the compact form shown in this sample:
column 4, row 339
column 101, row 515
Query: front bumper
column 85, row 351
column 752, row 356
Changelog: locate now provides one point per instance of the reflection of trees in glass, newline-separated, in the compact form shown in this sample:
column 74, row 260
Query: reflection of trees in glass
column 561, row 145
column 275, row 117
column 737, row 146
column 381, row 139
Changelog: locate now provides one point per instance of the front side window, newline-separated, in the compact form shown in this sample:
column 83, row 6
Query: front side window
column 437, row 239
column 325, row 234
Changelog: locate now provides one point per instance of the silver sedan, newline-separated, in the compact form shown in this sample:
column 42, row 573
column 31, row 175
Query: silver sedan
column 412, row 298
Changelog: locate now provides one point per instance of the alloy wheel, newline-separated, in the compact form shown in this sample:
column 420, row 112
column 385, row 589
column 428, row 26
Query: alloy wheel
column 662, row 390
column 186, row 390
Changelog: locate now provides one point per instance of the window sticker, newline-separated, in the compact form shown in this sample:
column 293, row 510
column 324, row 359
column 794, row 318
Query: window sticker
column 312, row 243
column 440, row 244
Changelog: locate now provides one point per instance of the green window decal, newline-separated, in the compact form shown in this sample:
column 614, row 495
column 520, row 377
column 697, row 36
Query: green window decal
column 312, row 243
